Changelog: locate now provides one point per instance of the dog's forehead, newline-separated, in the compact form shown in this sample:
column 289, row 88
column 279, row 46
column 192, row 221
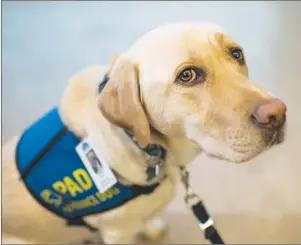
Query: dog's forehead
column 172, row 36
column 161, row 50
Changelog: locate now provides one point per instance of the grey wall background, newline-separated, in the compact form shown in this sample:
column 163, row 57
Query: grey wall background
column 44, row 43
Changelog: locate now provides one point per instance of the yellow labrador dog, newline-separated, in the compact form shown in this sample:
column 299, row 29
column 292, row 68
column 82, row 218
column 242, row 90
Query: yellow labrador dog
column 183, row 86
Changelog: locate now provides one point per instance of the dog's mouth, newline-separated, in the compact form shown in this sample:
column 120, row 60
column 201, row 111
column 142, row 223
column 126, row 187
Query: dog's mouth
column 246, row 152
column 280, row 136
column 274, row 140
column 276, row 137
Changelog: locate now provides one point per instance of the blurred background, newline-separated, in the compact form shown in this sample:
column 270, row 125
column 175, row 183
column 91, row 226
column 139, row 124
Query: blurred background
column 45, row 43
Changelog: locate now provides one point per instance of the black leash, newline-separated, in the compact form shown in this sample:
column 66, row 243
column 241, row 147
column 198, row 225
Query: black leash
column 206, row 223
column 197, row 207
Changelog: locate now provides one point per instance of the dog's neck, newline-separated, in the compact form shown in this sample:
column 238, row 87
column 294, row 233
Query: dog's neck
column 182, row 149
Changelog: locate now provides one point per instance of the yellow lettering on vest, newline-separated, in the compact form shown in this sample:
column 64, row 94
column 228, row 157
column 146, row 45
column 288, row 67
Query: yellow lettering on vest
column 67, row 209
column 116, row 191
column 60, row 187
column 51, row 198
column 82, row 178
column 93, row 200
column 109, row 193
column 72, row 187
column 88, row 202
column 101, row 196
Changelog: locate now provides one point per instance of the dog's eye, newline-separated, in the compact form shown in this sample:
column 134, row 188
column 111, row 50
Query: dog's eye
column 191, row 76
column 238, row 55
column 187, row 75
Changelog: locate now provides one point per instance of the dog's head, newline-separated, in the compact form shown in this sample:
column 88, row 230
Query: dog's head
column 191, row 80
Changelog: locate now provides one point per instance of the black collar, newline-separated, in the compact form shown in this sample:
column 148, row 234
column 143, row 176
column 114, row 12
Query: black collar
column 103, row 83
column 155, row 154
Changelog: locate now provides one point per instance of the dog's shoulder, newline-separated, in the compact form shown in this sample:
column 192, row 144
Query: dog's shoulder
column 77, row 105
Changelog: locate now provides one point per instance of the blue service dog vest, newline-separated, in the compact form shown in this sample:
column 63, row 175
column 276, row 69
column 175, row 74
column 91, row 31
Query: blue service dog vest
column 56, row 176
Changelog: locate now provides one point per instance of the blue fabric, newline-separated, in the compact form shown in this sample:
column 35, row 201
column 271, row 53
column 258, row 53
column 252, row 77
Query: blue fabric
column 60, row 181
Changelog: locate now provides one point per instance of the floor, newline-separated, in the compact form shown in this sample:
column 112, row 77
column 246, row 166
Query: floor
column 44, row 43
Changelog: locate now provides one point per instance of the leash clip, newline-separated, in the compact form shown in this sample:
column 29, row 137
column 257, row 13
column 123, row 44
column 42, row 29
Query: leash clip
column 153, row 169
column 155, row 162
column 190, row 198
column 155, row 158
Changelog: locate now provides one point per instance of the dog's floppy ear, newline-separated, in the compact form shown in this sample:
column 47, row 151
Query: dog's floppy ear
column 120, row 101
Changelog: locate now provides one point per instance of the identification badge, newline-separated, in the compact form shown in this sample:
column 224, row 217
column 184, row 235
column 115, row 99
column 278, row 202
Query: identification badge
column 99, row 170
